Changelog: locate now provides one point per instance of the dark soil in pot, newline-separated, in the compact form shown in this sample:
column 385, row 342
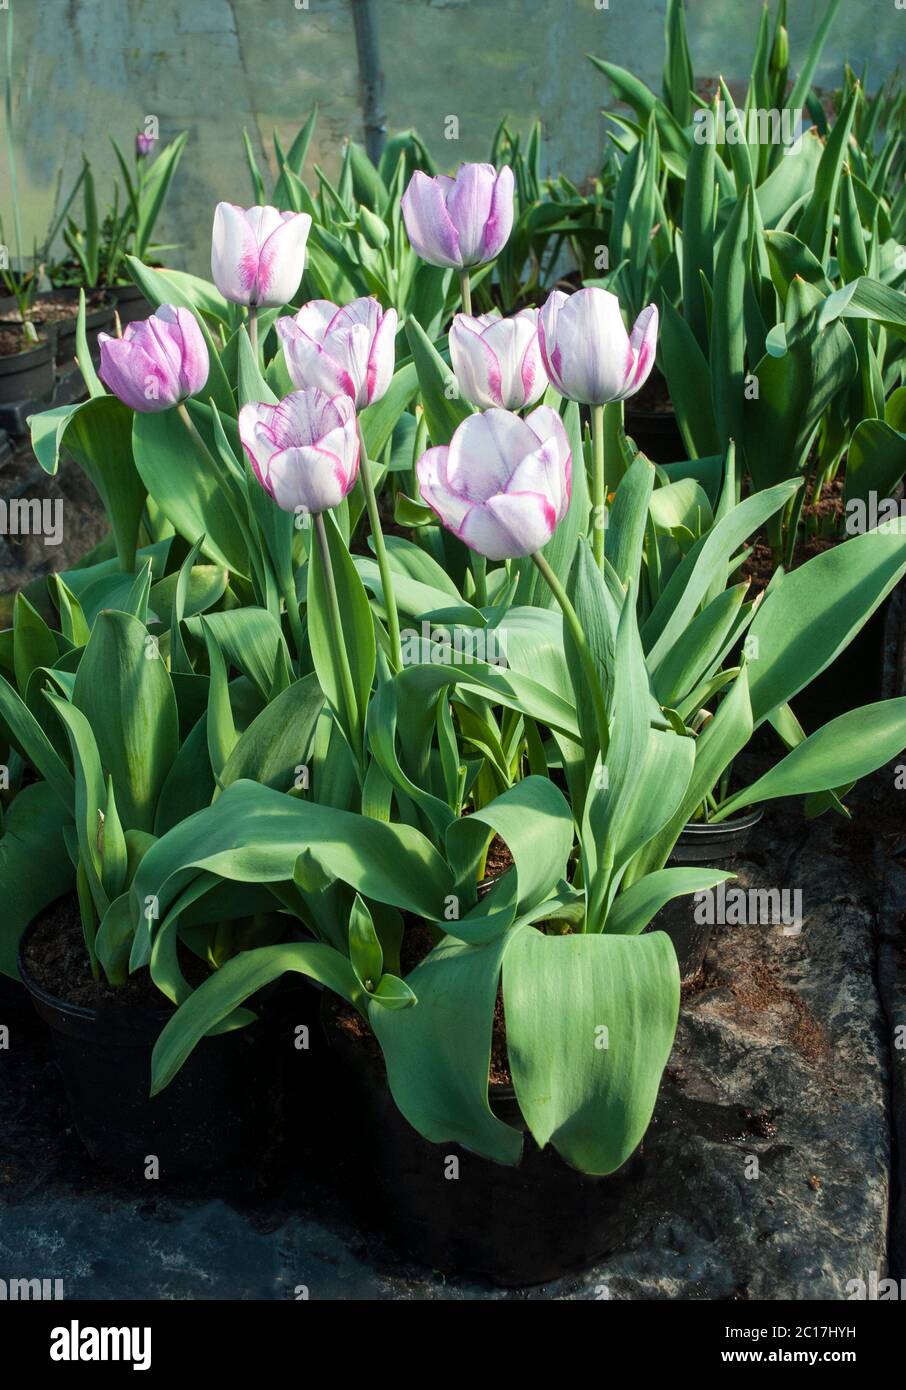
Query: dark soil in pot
column 700, row 843
column 651, row 421
column 219, row 1113
column 514, row 1225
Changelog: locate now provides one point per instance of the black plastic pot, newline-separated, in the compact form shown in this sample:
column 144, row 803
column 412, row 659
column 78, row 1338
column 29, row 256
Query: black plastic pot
column 219, row 1113
column 130, row 303
column 28, row 376
column 700, row 843
column 6, row 449
column 656, row 434
column 855, row 678
column 515, row 1226
column 97, row 321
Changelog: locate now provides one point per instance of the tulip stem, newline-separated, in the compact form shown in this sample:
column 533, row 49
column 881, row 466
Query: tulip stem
column 571, row 619
column 599, row 489
column 206, row 456
column 380, row 550
column 466, row 284
column 253, row 328
column 341, row 656
column 480, row 576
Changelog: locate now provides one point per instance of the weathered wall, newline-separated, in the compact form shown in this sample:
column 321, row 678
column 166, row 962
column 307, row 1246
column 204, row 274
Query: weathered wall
column 86, row 69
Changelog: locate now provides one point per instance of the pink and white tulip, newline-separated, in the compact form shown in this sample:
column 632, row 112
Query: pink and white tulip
column 349, row 349
column 159, row 361
column 462, row 221
column 588, row 354
column 497, row 362
column 258, row 254
column 305, row 450
column 503, row 483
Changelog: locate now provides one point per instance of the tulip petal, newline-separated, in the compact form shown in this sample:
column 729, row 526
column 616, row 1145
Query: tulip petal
column 475, row 364
column 314, row 318
column 304, row 417
column 436, row 490
column 485, row 451
column 643, row 342
column 282, row 261
column 308, row 478
column 468, row 203
column 234, row 254
column 509, row 525
column 500, row 220
column 428, row 225
column 595, row 353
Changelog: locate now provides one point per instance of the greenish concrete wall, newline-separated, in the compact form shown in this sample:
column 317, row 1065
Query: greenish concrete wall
column 88, row 69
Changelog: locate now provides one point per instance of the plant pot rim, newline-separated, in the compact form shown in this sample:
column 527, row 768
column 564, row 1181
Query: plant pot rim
column 85, row 1012
column 704, row 830
column 502, row 1091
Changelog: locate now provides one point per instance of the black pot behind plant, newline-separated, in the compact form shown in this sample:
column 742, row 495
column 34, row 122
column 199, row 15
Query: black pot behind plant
column 514, row 1225
column 700, row 843
column 98, row 319
column 219, row 1113
column 26, row 374
column 130, row 303
column 650, row 421
column 855, row 678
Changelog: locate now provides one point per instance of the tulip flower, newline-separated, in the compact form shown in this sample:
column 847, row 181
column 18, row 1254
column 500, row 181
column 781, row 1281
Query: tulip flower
column 502, row 485
column 258, row 254
column 497, row 362
column 588, row 354
column 460, row 222
column 304, row 451
column 158, row 363
column 349, row 349
column 591, row 358
column 144, row 144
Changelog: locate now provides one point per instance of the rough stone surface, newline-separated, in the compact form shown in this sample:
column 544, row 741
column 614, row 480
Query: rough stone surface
column 782, row 1056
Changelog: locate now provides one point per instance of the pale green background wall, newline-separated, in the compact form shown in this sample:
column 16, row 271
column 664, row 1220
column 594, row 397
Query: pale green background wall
column 85, row 69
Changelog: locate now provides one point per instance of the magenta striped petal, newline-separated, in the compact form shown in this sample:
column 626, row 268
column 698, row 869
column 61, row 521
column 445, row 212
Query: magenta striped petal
column 428, row 224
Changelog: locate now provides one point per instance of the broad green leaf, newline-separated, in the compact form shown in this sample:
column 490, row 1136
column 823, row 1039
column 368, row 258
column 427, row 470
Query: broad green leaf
column 438, row 1053
column 278, row 742
column 186, row 488
column 231, row 985
column 849, row 747
column 589, row 1093
column 124, row 689
column 35, row 868
column 633, row 909
column 806, row 621
column 444, row 407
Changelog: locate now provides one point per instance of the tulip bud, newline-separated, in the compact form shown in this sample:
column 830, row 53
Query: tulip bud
column 349, row 349
column 373, row 228
column 158, row 362
column 497, row 362
column 462, row 221
column 503, row 483
column 258, row 254
column 304, row 451
column 780, row 57
column 588, row 354
column 144, row 144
